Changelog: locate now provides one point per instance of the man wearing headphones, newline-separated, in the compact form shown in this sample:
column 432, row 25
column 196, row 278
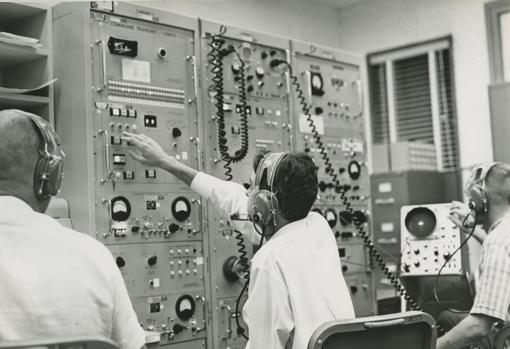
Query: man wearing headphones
column 54, row 281
column 489, row 201
column 296, row 282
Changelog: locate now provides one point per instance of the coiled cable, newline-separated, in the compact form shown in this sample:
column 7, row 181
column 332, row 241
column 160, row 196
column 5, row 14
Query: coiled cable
column 215, row 59
column 345, row 201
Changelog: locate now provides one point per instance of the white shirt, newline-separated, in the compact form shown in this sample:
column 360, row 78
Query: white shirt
column 55, row 281
column 296, row 281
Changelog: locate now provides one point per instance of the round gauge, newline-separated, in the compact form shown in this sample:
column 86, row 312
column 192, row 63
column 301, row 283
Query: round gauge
column 236, row 68
column 185, row 307
column 317, row 82
column 354, row 169
column 246, row 52
column 259, row 71
column 331, row 217
column 120, row 208
column 181, row 208
column 318, row 210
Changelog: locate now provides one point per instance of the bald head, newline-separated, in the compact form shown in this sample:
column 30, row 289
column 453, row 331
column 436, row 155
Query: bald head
column 19, row 145
column 498, row 184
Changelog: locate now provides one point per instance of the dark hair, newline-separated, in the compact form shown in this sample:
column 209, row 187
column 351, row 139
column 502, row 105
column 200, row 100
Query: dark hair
column 296, row 185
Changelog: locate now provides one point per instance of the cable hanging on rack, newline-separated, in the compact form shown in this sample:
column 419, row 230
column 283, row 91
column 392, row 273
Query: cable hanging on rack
column 215, row 59
column 345, row 201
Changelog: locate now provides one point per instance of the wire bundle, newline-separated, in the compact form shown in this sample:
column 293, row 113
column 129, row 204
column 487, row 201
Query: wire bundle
column 215, row 59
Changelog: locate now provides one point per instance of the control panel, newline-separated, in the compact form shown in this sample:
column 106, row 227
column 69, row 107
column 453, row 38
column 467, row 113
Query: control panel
column 330, row 82
column 140, row 77
column 212, row 99
column 428, row 240
column 238, row 121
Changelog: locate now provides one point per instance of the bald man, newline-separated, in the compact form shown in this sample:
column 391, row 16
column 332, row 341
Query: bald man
column 54, row 281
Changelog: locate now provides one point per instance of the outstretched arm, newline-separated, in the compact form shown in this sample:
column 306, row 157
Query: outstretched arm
column 148, row 152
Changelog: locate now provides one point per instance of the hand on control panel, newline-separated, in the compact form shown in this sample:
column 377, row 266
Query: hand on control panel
column 145, row 150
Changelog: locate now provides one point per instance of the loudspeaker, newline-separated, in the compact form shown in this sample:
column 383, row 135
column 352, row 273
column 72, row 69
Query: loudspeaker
column 476, row 191
column 262, row 203
column 49, row 169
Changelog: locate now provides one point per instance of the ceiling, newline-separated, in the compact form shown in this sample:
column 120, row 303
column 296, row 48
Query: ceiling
column 341, row 4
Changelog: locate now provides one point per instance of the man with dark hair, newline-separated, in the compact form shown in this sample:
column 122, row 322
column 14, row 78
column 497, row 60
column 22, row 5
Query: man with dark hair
column 54, row 281
column 492, row 301
column 296, row 282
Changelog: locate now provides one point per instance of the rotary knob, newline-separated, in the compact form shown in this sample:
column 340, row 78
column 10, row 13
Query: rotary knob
column 152, row 260
column 176, row 132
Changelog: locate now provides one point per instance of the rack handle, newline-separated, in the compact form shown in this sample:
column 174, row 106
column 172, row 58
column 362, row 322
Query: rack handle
column 102, row 46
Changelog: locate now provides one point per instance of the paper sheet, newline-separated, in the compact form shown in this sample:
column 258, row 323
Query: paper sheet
column 25, row 90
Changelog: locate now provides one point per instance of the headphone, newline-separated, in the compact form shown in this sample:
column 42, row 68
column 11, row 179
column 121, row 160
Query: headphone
column 263, row 204
column 478, row 201
column 49, row 169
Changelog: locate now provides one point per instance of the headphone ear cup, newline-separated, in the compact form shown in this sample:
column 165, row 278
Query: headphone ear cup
column 477, row 200
column 48, row 176
column 261, row 206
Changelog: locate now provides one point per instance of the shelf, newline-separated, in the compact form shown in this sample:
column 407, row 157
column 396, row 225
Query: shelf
column 11, row 54
column 12, row 12
column 8, row 100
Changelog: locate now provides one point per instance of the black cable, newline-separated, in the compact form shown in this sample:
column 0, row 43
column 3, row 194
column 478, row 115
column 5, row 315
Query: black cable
column 240, row 329
column 215, row 59
column 436, row 297
column 345, row 201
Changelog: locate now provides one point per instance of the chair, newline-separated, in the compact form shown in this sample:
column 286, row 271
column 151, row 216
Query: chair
column 59, row 209
column 76, row 342
column 502, row 339
column 409, row 330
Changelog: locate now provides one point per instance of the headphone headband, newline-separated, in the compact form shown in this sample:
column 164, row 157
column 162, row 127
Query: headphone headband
column 479, row 174
column 475, row 188
column 48, row 172
column 263, row 204
column 269, row 164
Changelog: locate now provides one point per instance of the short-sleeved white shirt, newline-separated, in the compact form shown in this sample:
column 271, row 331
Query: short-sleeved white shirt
column 55, row 281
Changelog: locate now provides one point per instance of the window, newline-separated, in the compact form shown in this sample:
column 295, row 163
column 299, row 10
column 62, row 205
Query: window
column 412, row 104
column 497, row 15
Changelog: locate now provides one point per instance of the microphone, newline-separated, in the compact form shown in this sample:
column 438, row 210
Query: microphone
column 237, row 217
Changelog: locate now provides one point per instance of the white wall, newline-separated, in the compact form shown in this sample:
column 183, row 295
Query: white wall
column 307, row 20
column 379, row 25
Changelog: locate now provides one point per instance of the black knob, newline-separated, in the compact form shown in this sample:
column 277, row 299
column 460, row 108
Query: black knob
column 417, row 264
column 178, row 328
column 173, row 227
column 176, row 132
column 318, row 110
column 344, row 268
column 354, row 289
column 416, row 251
column 263, row 55
column 120, row 262
column 322, row 186
column 406, row 267
column 249, row 88
column 152, row 260
column 436, row 252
